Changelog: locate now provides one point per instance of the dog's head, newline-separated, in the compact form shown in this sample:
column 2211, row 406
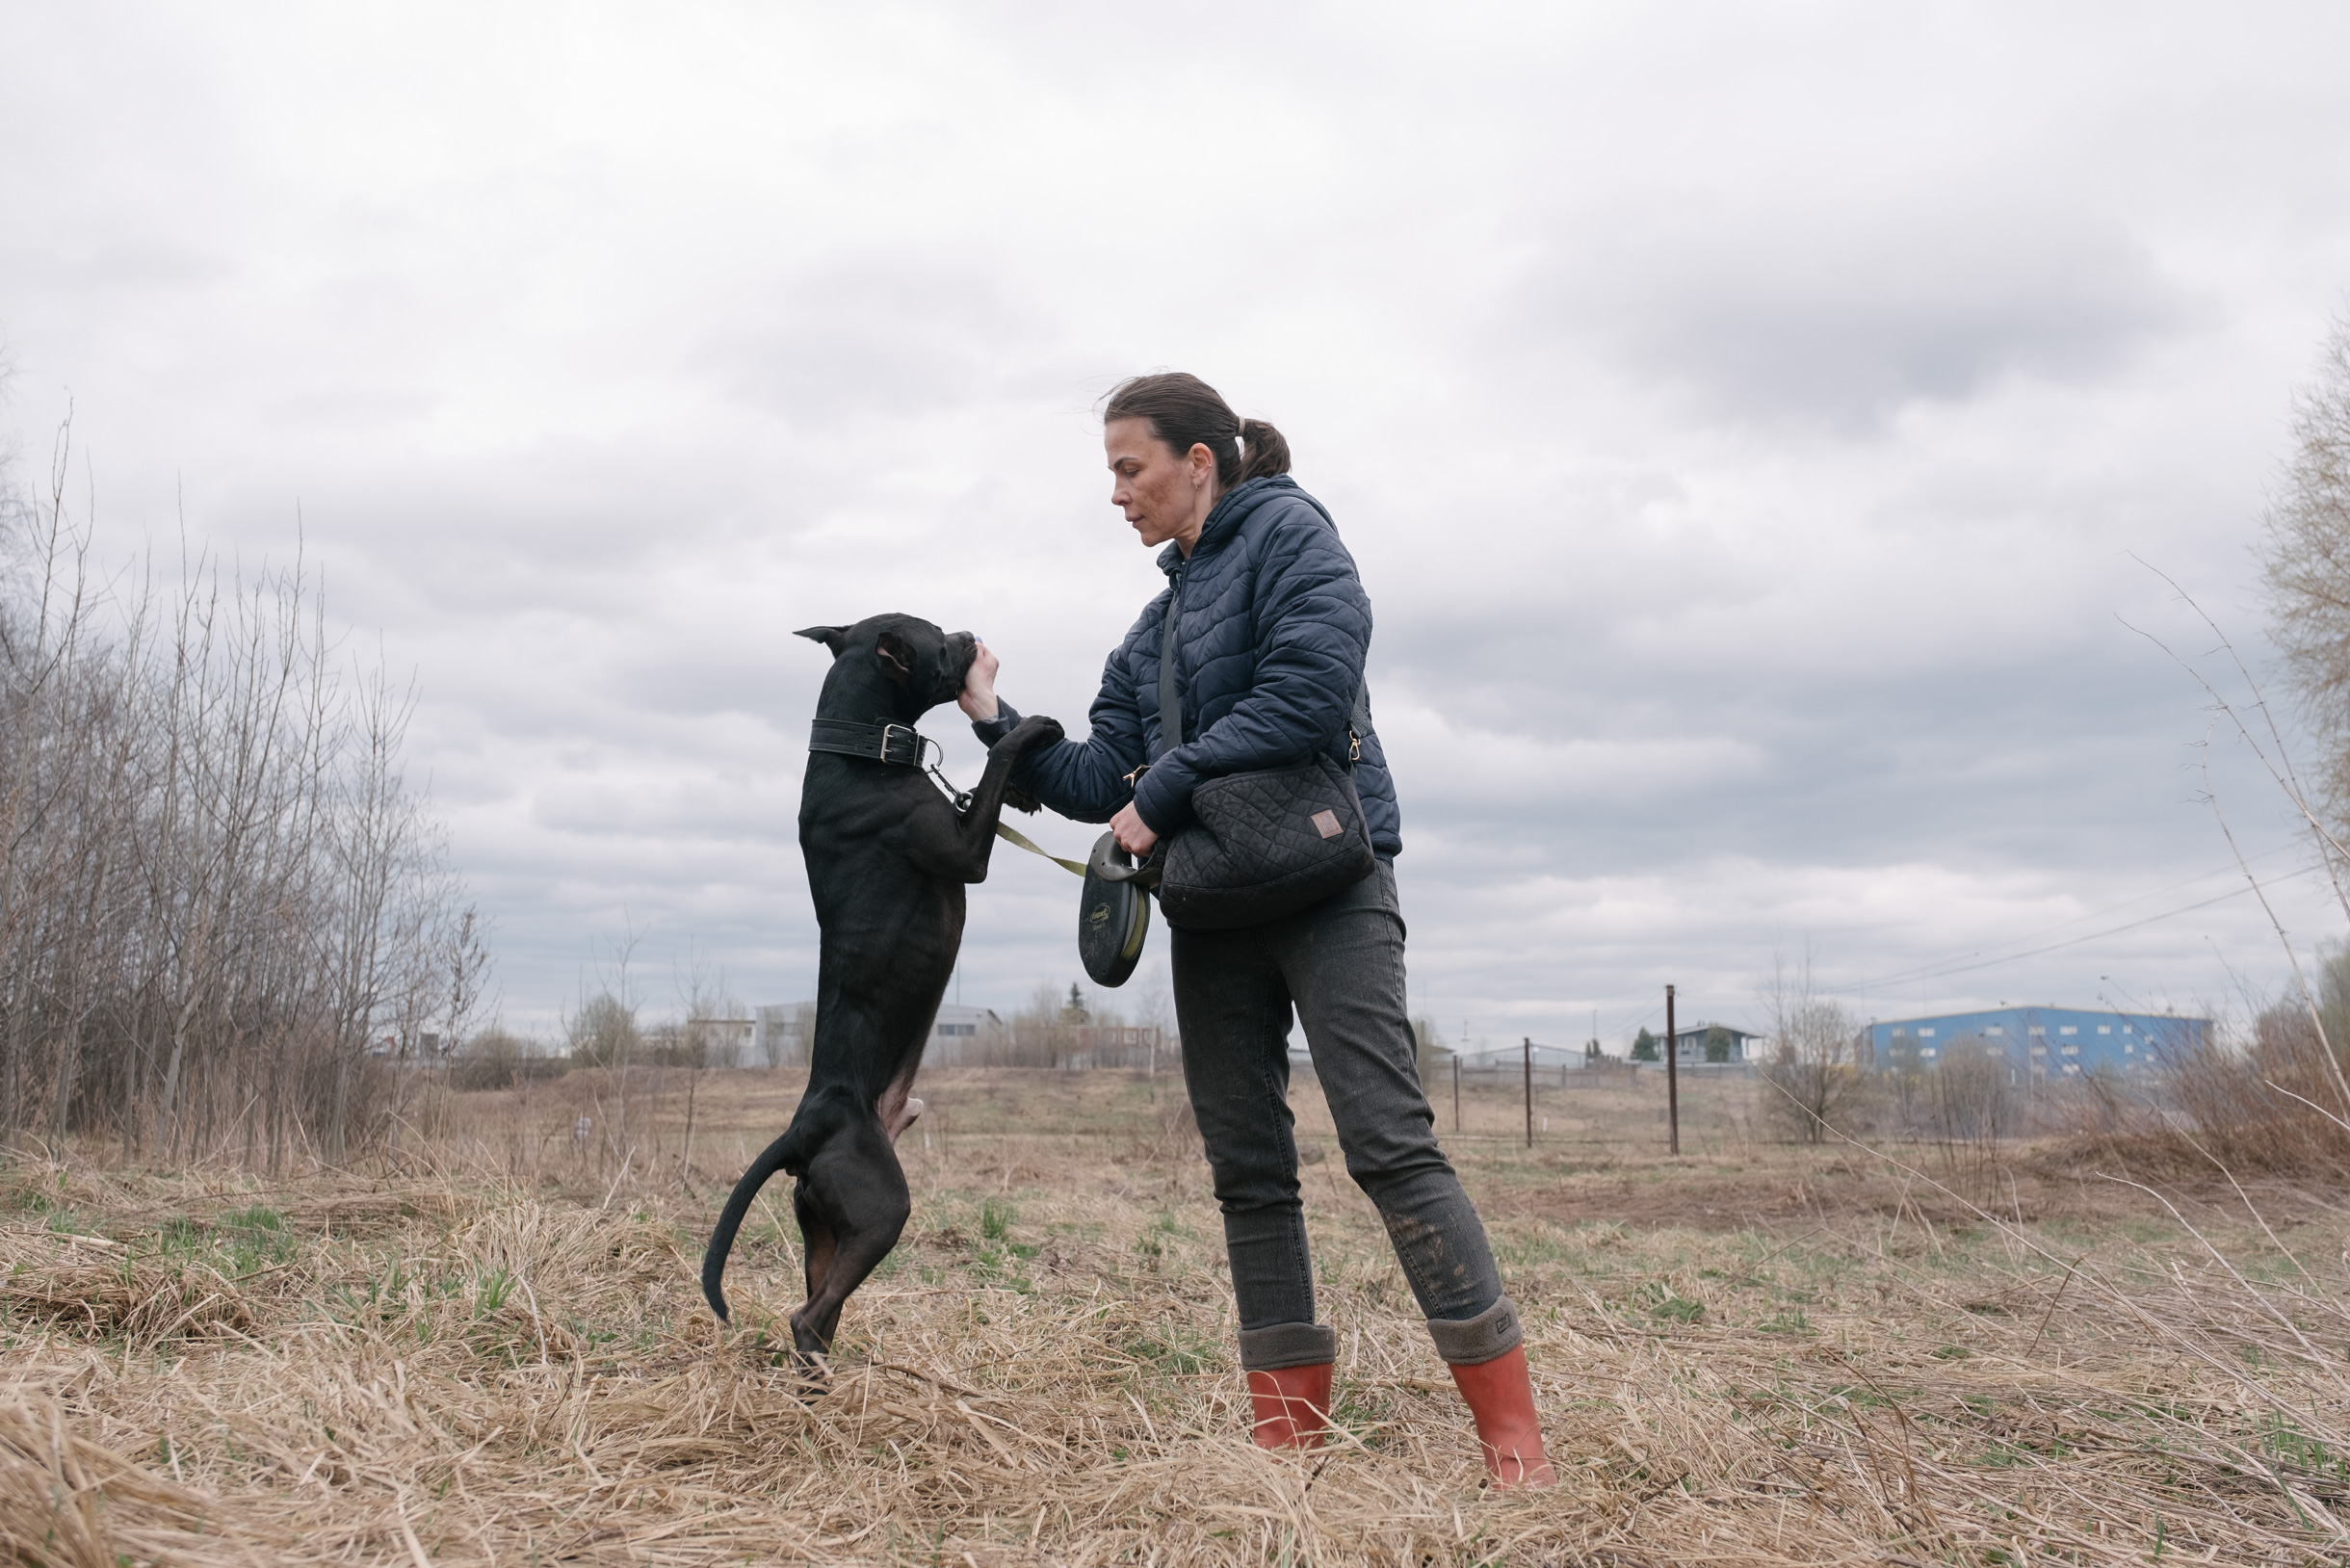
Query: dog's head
column 902, row 663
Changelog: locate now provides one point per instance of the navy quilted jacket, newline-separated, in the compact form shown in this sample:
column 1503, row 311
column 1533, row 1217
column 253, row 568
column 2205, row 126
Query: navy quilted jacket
column 1269, row 642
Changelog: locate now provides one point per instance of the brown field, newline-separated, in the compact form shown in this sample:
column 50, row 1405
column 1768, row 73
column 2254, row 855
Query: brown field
column 488, row 1347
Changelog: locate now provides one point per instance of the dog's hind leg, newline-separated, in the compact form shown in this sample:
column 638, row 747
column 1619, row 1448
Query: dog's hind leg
column 856, row 1186
column 816, row 1240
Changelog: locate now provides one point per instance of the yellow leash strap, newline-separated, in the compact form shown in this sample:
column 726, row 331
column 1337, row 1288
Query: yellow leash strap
column 1012, row 834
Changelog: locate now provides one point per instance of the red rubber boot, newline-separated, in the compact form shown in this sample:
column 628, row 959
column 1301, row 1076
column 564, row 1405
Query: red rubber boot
column 1292, row 1406
column 1501, row 1395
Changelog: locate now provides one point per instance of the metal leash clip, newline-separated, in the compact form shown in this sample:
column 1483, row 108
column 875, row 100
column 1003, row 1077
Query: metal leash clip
column 962, row 798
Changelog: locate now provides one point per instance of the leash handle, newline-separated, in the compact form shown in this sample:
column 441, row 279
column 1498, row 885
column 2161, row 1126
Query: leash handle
column 1112, row 864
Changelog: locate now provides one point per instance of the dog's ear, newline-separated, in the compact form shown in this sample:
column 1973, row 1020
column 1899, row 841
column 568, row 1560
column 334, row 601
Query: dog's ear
column 831, row 636
column 895, row 657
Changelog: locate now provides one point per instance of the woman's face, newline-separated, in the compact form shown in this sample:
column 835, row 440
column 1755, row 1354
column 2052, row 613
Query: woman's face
column 1163, row 496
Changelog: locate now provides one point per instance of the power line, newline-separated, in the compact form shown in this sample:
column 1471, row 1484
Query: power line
column 1927, row 971
column 2052, row 947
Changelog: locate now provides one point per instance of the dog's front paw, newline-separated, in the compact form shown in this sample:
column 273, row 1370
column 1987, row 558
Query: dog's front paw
column 1022, row 801
column 1033, row 731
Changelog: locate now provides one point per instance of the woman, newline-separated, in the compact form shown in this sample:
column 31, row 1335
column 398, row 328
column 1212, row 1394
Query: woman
column 1272, row 629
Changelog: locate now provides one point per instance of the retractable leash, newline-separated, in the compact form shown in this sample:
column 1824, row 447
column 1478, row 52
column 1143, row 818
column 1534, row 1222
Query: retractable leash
column 1113, row 912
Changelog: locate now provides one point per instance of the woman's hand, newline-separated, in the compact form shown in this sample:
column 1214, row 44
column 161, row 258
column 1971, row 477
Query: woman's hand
column 978, row 695
column 1132, row 833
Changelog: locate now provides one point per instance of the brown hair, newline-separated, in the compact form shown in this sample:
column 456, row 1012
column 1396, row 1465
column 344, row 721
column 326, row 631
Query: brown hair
column 1185, row 411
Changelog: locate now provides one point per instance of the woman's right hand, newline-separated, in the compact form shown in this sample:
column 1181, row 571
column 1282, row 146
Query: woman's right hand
column 978, row 695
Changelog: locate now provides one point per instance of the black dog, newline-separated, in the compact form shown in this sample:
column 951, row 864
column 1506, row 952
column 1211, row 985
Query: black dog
column 888, row 856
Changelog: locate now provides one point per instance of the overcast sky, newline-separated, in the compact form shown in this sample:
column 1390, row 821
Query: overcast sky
column 1744, row 417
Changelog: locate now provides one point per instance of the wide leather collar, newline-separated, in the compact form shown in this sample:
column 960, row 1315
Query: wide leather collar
column 899, row 743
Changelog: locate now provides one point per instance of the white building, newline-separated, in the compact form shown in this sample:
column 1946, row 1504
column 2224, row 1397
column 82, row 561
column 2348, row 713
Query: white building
column 955, row 1033
column 784, row 1024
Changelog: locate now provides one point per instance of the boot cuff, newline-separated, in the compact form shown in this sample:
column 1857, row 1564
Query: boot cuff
column 1475, row 1341
column 1282, row 1345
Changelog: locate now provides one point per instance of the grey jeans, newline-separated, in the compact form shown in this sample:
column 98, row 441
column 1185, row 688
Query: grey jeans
column 1340, row 964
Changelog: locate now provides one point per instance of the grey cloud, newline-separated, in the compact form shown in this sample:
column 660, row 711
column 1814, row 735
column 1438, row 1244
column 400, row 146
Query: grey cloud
column 897, row 336
column 1842, row 314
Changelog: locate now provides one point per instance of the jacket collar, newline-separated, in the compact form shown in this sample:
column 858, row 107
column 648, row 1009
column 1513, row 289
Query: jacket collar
column 1231, row 510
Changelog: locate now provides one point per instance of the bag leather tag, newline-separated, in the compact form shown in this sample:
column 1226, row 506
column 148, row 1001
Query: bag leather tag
column 1325, row 822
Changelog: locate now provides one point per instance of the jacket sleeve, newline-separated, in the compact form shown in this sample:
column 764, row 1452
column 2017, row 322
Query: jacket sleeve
column 1086, row 780
column 1310, row 634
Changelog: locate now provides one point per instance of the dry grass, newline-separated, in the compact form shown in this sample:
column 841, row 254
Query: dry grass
column 496, row 1353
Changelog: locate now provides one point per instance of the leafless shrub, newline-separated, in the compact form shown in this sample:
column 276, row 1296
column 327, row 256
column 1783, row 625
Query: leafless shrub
column 602, row 1031
column 216, row 894
column 2263, row 1104
column 1816, row 1083
column 497, row 1060
column 1971, row 1106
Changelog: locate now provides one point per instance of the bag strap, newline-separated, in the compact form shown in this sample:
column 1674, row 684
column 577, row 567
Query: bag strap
column 1170, row 699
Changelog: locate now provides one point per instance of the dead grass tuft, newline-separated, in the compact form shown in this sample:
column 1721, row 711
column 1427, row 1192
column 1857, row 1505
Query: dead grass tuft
column 86, row 1284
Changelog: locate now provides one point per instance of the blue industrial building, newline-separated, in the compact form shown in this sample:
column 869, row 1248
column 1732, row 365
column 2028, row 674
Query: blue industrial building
column 2040, row 1042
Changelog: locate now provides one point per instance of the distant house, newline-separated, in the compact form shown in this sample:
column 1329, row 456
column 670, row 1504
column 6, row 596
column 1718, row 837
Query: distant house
column 2037, row 1042
column 1697, row 1043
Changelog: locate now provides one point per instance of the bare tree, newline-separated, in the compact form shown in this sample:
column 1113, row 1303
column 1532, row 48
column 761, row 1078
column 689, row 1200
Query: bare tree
column 713, row 1035
column 1816, row 1079
column 2307, row 561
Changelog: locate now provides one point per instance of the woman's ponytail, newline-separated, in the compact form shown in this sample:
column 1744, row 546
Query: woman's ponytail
column 1266, row 452
column 1185, row 412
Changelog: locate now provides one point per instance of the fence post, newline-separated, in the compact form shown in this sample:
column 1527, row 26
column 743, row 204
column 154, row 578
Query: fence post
column 1529, row 1089
column 1456, row 1093
column 1672, row 1072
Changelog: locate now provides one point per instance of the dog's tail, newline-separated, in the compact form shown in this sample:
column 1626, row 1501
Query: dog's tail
column 770, row 1160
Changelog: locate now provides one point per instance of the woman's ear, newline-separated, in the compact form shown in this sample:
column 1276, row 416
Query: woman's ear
column 895, row 657
column 834, row 638
column 1201, row 462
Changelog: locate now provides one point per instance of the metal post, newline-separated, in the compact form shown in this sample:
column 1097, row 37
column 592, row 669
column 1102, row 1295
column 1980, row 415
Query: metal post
column 1456, row 1092
column 1529, row 1090
column 1672, row 1071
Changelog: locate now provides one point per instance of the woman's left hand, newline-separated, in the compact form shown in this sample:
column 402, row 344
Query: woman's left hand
column 977, row 698
column 1132, row 833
